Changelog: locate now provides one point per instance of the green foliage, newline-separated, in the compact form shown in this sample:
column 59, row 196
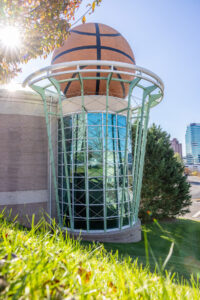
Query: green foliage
column 178, row 158
column 44, row 25
column 44, row 264
column 165, row 191
column 185, row 258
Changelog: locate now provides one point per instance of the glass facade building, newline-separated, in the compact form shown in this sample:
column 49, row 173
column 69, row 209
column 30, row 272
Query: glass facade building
column 101, row 190
column 192, row 141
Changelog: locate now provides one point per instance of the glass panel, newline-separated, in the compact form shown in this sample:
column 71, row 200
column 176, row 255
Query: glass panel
column 60, row 159
column 111, row 145
column 95, row 144
column 94, row 158
column 94, row 119
column 65, row 195
column 121, row 156
column 79, row 198
column 111, row 119
column 96, row 197
column 112, row 198
column 122, row 133
column 96, row 183
column 121, row 121
column 68, row 145
column 79, row 170
column 79, row 144
column 67, row 121
column 78, row 120
column 80, row 211
column 96, row 224
column 121, row 179
column 111, row 132
column 94, row 132
column 96, row 211
column 60, row 194
column 112, row 182
column 111, row 157
column 60, row 182
column 126, row 215
column 68, row 133
column 95, row 171
column 121, row 145
column 78, row 157
column 112, row 210
column 112, row 223
column 79, row 183
column 80, row 224
column 60, row 146
column 59, row 135
column 111, row 170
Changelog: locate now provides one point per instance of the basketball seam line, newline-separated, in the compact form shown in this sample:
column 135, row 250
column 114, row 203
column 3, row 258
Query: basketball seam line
column 94, row 34
column 93, row 47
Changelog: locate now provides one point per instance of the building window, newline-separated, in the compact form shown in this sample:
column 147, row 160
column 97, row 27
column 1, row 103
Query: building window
column 100, row 178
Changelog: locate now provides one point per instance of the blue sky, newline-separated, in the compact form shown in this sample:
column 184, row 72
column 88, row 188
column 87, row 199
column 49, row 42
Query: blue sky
column 165, row 38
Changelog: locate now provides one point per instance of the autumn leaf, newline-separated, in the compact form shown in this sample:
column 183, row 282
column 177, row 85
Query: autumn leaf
column 83, row 19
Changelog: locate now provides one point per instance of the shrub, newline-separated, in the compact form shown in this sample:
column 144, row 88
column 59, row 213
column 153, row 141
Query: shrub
column 165, row 191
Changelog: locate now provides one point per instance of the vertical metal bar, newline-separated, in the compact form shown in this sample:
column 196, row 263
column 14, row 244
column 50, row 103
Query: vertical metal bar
column 143, row 147
column 41, row 91
column 57, row 86
column 117, row 170
column 138, row 151
column 132, row 85
column 134, row 166
column 85, row 153
column 141, row 165
column 106, row 151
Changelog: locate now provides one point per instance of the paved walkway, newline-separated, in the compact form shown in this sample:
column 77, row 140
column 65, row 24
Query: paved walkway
column 194, row 213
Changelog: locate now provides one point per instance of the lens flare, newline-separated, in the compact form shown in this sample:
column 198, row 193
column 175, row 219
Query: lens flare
column 10, row 37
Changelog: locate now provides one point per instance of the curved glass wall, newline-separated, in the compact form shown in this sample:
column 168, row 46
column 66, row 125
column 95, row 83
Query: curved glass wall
column 100, row 179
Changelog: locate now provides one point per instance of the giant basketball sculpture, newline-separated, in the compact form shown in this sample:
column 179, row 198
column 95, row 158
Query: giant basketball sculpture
column 95, row 42
column 96, row 174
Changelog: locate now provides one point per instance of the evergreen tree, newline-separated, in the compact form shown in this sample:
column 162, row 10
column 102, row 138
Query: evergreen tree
column 165, row 191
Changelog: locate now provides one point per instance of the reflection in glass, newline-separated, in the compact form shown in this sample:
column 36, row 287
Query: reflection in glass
column 99, row 183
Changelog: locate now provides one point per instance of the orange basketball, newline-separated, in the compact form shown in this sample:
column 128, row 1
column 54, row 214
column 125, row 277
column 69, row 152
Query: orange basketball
column 93, row 41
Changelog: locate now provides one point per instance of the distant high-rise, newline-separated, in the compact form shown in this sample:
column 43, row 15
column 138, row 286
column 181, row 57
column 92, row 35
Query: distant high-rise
column 177, row 147
column 192, row 142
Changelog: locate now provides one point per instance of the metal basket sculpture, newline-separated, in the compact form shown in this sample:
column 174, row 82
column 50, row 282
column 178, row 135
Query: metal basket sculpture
column 98, row 176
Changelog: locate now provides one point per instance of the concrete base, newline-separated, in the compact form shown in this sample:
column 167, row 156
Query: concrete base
column 127, row 235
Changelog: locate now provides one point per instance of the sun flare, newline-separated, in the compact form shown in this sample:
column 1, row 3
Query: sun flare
column 10, row 37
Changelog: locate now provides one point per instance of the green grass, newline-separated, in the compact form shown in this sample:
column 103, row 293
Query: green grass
column 44, row 264
column 185, row 258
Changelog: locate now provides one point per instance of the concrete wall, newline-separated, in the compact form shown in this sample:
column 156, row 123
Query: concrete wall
column 24, row 185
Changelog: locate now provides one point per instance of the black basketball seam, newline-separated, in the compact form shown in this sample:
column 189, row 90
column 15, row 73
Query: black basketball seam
column 92, row 47
column 94, row 34
column 70, row 82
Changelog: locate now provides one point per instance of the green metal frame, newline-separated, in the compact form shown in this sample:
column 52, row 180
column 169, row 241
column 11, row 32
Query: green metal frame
column 135, row 116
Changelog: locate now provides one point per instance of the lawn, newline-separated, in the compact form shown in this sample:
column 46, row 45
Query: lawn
column 185, row 258
column 44, row 264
